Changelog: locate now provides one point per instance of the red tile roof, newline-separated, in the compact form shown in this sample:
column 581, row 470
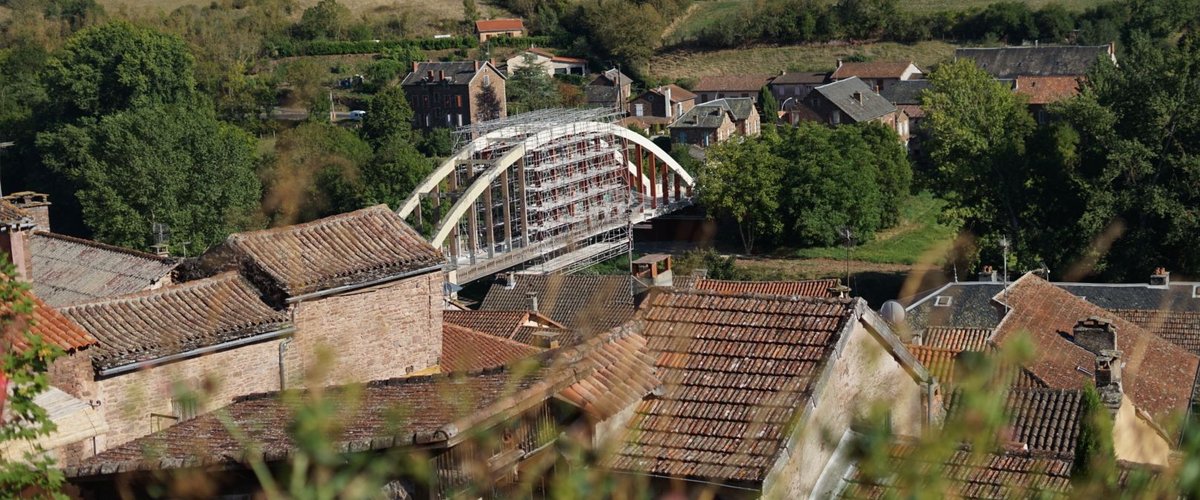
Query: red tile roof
column 739, row 83
column 624, row 374
column 52, row 326
column 464, row 350
column 556, row 58
column 499, row 25
column 808, row 288
column 176, row 319
column 1047, row 89
column 874, row 70
column 1157, row 375
column 1181, row 328
column 941, row 363
column 735, row 369
column 968, row 475
column 514, row 325
column 345, row 249
column 956, row 339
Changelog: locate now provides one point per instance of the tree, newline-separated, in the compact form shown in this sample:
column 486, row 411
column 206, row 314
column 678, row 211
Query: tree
column 315, row 172
column 23, row 374
column 326, row 19
column 392, row 174
column 741, row 180
column 490, row 105
column 530, row 88
column 769, row 106
column 307, row 81
column 388, row 115
column 170, row 164
column 117, row 66
column 624, row 31
column 977, row 131
column 470, row 12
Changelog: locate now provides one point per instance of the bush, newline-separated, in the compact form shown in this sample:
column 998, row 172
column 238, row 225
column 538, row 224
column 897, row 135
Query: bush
column 291, row 48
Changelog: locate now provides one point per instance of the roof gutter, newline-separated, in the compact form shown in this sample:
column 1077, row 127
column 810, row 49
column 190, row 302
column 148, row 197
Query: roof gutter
column 366, row 284
column 196, row 352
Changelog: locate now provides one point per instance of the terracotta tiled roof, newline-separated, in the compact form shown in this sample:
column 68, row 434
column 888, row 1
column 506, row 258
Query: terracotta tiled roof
column 69, row 271
column 1181, row 328
column 464, row 349
column 738, row 83
column 970, row 476
column 513, row 325
column 1041, row 418
column 809, row 288
column 556, row 58
column 346, row 249
column 11, row 215
column 52, row 326
column 176, row 319
column 624, row 374
column 585, row 304
column 1047, row 89
column 1157, row 374
column 494, row 25
column 873, row 70
column 735, row 369
column 391, row 413
column 939, row 362
column 957, row 339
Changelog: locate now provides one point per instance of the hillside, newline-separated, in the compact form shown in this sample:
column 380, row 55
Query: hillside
column 764, row 60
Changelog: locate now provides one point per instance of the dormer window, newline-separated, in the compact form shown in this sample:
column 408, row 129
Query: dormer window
column 942, row 301
column 1196, row 291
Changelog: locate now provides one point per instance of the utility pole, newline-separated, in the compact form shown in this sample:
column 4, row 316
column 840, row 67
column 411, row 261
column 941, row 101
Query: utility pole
column 3, row 146
column 1004, row 247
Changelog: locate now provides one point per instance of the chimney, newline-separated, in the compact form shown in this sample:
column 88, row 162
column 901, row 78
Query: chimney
column 1108, row 380
column 37, row 205
column 15, row 231
column 532, row 298
column 1161, row 277
column 510, row 280
column 415, row 64
column 429, row 75
column 1095, row 334
column 476, row 65
column 858, row 96
column 667, row 94
column 988, row 274
column 839, row 61
column 441, row 74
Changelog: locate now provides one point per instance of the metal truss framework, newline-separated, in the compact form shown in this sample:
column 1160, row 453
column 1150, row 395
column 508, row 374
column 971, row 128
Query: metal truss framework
column 551, row 190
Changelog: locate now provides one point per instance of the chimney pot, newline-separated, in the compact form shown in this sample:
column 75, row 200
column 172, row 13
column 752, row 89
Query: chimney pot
column 441, row 74
column 1161, row 277
column 1095, row 334
column 37, row 205
column 415, row 66
column 429, row 75
column 988, row 274
column 533, row 301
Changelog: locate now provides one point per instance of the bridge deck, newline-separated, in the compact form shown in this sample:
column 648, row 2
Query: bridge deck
column 589, row 254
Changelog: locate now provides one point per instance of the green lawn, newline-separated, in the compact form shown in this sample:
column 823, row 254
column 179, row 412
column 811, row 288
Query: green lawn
column 700, row 16
column 919, row 238
column 771, row 60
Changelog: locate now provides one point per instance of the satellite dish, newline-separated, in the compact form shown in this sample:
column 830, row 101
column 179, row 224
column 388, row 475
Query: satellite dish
column 892, row 312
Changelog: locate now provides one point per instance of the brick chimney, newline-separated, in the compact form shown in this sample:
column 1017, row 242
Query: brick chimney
column 441, row 74
column 37, row 205
column 415, row 66
column 1161, row 277
column 531, row 296
column 15, row 230
column 667, row 96
column 1099, row 336
column 988, row 274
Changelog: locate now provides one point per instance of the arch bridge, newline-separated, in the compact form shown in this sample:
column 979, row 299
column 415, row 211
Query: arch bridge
column 548, row 191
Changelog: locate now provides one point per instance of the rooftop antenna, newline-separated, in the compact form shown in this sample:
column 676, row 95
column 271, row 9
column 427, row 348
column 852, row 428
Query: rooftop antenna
column 847, row 235
column 162, row 237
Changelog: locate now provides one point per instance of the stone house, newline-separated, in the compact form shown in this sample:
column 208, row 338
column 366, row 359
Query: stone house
column 454, row 94
column 716, row 121
column 549, row 62
column 711, row 88
column 1007, row 63
column 848, row 101
column 877, row 75
column 795, row 85
column 266, row 306
column 754, row 386
column 490, row 28
column 609, row 89
column 660, row 106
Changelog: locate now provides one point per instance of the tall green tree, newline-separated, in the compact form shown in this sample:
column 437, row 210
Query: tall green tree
column 530, row 88
column 327, row 19
column 315, row 172
column 977, row 131
column 389, row 115
column 769, row 106
column 741, row 180
column 171, row 164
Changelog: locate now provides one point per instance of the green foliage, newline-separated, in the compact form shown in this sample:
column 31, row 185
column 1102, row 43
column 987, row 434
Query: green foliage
column 117, row 66
column 315, row 172
column 172, row 164
column 306, row 79
column 325, row 20
column 490, row 105
column 388, row 115
column 1095, row 460
column 291, row 48
column 742, row 180
column 393, row 172
column 621, row 30
column 769, row 106
column 715, row 266
column 470, row 12
column 529, row 88
column 24, row 371
column 918, row 237
column 438, row 143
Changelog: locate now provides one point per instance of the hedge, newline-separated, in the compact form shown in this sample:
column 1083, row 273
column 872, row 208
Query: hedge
column 338, row 47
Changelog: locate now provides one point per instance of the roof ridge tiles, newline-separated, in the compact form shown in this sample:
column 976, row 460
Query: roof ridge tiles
column 104, row 246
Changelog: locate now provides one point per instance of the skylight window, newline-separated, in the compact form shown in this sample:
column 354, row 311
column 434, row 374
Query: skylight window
column 942, row 301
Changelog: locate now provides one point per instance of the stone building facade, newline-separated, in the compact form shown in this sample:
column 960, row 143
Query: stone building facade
column 454, row 94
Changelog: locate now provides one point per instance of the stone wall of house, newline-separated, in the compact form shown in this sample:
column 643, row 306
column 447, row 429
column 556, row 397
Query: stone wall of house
column 128, row 400
column 381, row 332
column 487, row 76
column 73, row 374
column 1135, row 440
column 864, row 376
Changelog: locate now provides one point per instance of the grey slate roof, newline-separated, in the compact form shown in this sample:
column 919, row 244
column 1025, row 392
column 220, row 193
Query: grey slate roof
column 459, row 73
column 581, row 303
column 966, row 305
column 704, row 116
column 1043, row 60
column 905, row 91
column 602, row 96
column 801, row 78
column 69, row 271
column 613, row 75
column 842, row 94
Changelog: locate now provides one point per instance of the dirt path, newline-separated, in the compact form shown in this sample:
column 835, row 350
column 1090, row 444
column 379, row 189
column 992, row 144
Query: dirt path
column 670, row 29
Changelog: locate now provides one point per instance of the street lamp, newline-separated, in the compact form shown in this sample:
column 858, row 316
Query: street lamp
column 3, row 146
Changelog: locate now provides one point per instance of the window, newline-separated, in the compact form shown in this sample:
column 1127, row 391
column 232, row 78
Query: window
column 487, row 79
column 184, row 408
column 942, row 301
column 458, row 101
column 835, row 117
column 637, row 109
column 460, row 119
column 1196, row 291
column 448, row 122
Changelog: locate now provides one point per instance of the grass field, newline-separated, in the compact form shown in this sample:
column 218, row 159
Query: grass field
column 435, row 9
column 919, row 238
column 698, row 17
column 771, row 60
column 926, row 6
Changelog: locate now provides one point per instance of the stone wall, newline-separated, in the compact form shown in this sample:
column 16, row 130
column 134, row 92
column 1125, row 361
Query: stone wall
column 381, row 332
column 864, row 376
column 73, row 374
